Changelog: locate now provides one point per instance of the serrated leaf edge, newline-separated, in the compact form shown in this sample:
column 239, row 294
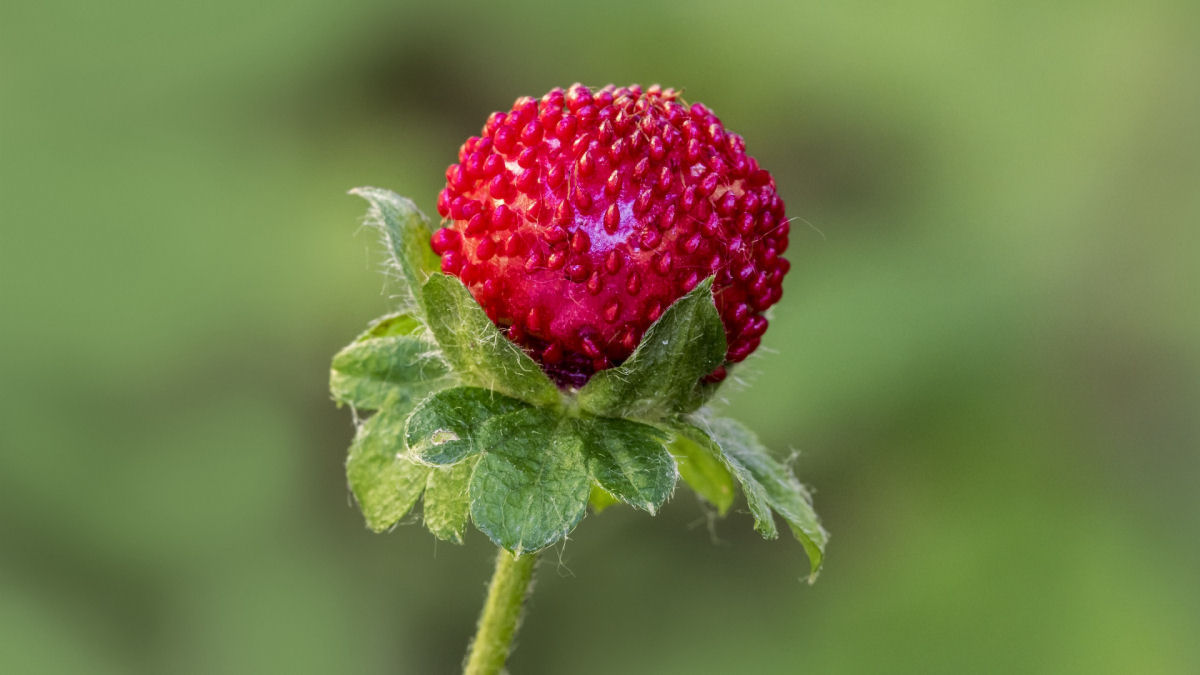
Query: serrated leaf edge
column 410, row 281
column 766, row 525
column 662, row 437
column 560, row 422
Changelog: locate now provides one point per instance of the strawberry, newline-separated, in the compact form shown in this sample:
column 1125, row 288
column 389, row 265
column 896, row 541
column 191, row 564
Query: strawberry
column 577, row 219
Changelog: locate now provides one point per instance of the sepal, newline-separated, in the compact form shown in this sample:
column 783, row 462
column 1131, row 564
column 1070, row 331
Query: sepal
column 601, row 499
column 442, row 429
column 531, row 486
column 703, row 469
column 477, row 351
column 769, row 485
column 628, row 460
column 385, row 483
column 390, row 358
column 406, row 232
column 663, row 375
column 447, row 502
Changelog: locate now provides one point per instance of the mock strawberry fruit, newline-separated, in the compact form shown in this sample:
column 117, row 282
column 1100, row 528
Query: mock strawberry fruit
column 577, row 219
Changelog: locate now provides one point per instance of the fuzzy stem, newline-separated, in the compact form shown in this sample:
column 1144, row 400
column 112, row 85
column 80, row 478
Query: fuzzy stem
column 501, row 613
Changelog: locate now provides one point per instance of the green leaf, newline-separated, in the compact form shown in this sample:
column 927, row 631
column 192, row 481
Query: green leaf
column 388, row 358
column 772, row 482
column 442, row 428
column 662, row 376
column 601, row 499
column 756, row 494
column 704, row 471
column 447, row 500
column 531, row 486
column 390, row 325
column 476, row 349
column 406, row 233
column 628, row 460
column 384, row 481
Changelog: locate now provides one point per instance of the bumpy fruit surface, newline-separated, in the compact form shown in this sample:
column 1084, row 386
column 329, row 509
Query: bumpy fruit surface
column 577, row 219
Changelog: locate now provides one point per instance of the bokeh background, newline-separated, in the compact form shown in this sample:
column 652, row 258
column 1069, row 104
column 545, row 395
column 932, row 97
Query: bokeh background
column 987, row 356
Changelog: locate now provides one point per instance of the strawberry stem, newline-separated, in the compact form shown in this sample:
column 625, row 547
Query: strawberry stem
column 501, row 613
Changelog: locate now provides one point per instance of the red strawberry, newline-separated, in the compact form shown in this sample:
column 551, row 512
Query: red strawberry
column 575, row 221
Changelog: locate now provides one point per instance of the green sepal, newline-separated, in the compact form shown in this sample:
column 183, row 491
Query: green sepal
column 447, row 500
column 601, row 499
column 388, row 325
column 701, row 467
column 531, row 486
column 768, row 485
column 389, row 358
column 442, row 428
column 385, row 482
column 662, row 376
column 476, row 350
column 756, row 494
column 628, row 459
column 406, row 233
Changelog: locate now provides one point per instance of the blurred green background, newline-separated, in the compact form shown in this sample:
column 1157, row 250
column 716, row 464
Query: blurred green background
column 987, row 356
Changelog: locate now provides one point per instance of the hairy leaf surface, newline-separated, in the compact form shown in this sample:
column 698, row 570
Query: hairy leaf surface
column 628, row 460
column 662, row 376
column 389, row 358
column 601, row 499
column 475, row 348
column 704, row 471
column 769, row 483
column 442, row 428
column 385, row 482
column 531, row 487
column 406, row 234
column 447, row 500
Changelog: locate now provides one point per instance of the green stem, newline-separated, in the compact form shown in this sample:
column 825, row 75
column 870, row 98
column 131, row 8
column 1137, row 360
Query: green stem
column 501, row 613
